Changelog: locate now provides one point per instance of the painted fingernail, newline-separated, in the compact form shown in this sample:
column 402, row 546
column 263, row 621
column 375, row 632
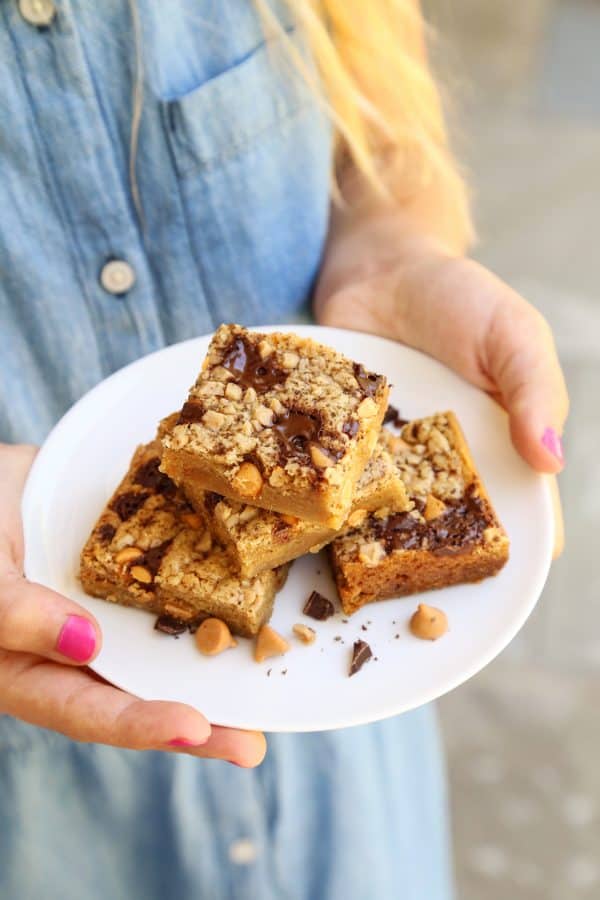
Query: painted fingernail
column 552, row 442
column 183, row 742
column 77, row 639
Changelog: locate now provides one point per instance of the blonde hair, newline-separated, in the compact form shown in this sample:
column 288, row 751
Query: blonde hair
column 374, row 79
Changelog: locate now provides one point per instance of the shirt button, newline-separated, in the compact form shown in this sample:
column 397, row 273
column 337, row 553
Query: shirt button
column 117, row 276
column 242, row 852
column 37, row 12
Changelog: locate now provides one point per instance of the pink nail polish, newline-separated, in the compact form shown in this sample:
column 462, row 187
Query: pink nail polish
column 552, row 442
column 77, row 639
column 183, row 742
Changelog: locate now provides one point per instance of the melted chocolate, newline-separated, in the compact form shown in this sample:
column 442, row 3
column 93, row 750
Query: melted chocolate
column 461, row 526
column 295, row 431
column 368, row 381
column 151, row 477
column 106, row 533
column 152, row 558
column 126, row 505
column 192, row 411
column 243, row 360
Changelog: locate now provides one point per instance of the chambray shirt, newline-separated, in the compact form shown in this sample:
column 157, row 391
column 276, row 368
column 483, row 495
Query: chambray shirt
column 233, row 170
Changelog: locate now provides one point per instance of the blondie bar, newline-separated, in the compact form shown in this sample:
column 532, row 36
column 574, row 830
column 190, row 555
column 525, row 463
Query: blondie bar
column 258, row 539
column 151, row 550
column 277, row 421
column 450, row 534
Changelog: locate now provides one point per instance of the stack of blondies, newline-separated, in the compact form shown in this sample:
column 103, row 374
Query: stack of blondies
column 278, row 451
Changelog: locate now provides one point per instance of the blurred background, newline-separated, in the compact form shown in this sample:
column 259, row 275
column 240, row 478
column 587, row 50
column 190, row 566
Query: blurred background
column 524, row 736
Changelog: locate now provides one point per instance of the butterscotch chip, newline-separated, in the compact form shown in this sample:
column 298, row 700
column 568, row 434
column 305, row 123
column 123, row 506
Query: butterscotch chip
column 428, row 623
column 269, row 643
column 141, row 573
column 213, row 636
column 306, row 634
column 248, row 481
column 192, row 520
column 433, row 508
column 128, row 554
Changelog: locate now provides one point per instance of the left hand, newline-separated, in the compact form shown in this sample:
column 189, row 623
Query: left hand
column 460, row 313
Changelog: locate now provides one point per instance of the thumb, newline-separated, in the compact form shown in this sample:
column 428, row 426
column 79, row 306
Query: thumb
column 521, row 360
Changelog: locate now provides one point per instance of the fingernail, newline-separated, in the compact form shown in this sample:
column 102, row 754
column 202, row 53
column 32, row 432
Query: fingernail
column 77, row 639
column 552, row 442
column 183, row 742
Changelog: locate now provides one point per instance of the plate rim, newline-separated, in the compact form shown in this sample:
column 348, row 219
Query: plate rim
column 419, row 698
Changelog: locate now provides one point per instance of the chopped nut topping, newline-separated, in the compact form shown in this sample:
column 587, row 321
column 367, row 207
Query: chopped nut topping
column 433, row 508
column 233, row 391
column 128, row 554
column 141, row 574
column 213, row 419
column 192, row 520
column 372, row 553
column 367, row 409
column 264, row 415
column 248, row 481
column 290, row 360
column 320, row 459
column 306, row 634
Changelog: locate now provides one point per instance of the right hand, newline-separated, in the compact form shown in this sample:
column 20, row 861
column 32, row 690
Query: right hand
column 46, row 641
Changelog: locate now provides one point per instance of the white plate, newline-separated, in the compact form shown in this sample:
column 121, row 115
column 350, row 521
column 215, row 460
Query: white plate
column 308, row 689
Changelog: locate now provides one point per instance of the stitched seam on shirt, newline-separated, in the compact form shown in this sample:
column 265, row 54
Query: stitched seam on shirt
column 236, row 148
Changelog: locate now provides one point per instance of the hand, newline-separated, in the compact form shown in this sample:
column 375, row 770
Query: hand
column 45, row 641
column 460, row 313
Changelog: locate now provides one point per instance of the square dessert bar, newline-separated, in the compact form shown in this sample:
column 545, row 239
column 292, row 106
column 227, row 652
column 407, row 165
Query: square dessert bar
column 450, row 534
column 151, row 550
column 277, row 421
column 258, row 539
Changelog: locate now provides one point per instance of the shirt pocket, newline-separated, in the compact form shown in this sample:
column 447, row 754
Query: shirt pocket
column 225, row 116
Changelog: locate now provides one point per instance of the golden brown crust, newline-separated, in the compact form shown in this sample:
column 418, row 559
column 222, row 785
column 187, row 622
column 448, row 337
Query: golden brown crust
column 280, row 421
column 450, row 535
column 178, row 569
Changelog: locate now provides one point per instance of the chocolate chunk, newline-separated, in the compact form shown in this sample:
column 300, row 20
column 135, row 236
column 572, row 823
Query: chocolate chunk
column 106, row 533
column 211, row 500
column 295, row 430
column 361, row 653
column 170, row 625
column 152, row 558
column 350, row 427
column 127, row 504
column 191, row 411
column 393, row 417
column 243, row 360
column 150, row 476
column 459, row 527
column 368, row 381
column 318, row 607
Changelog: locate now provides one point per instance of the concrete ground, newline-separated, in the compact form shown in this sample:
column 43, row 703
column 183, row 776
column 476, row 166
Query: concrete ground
column 524, row 736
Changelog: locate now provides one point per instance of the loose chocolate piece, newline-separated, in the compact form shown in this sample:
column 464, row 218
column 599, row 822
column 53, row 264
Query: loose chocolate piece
column 318, row 607
column 243, row 360
column 191, row 411
column 393, row 417
column 127, row 504
column 361, row 653
column 106, row 532
column 150, row 476
column 368, row 381
column 170, row 624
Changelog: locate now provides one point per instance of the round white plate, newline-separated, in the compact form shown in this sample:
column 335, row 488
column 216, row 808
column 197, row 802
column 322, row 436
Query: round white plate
column 309, row 688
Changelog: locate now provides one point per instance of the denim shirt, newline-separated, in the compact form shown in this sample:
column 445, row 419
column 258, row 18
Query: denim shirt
column 233, row 172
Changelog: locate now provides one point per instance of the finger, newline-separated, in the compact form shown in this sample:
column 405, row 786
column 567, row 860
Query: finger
column 559, row 524
column 243, row 748
column 521, row 358
column 35, row 619
column 67, row 700
column 15, row 463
